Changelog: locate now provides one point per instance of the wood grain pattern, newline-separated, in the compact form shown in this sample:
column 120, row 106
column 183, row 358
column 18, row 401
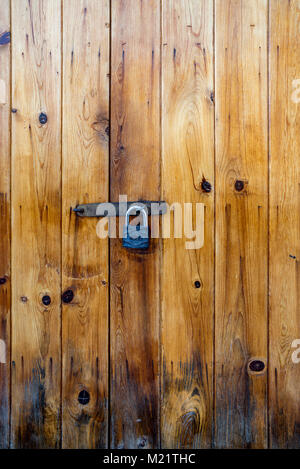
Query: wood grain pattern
column 188, row 161
column 284, row 222
column 135, row 171
column 241, row 221
column 155, row 99
column 36, row 214
column 85, row 256
column 4, row 221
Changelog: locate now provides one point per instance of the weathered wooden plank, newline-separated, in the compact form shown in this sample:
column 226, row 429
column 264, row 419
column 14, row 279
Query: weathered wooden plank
column 241, row 222
column 36, row 215
column 4, row 222
column 284, row 222
column 85, row 256
column 135, row 171
column 187, row 171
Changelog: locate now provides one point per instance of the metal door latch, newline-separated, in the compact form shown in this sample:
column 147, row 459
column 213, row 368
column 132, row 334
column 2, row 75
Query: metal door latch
column 119, row 209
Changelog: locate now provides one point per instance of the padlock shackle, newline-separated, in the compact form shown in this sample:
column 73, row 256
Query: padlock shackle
column 137, row 208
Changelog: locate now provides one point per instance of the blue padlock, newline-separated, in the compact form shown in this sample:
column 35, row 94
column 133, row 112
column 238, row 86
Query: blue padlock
column 136, row 237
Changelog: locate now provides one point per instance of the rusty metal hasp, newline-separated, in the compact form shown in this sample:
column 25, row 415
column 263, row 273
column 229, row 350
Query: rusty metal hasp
column 117, row 209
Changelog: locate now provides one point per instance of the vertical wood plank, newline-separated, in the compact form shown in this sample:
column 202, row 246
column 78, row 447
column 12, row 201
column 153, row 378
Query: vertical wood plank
column 188, row 275
column 4, row 222
column 284, row 222
column 241, row 221
column 36, row 214
column 85, row 256
column 135, row 171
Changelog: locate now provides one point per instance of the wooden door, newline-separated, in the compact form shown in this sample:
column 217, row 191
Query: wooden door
column 195, row 102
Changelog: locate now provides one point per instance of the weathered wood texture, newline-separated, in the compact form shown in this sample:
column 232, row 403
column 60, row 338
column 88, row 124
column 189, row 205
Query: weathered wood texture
column 188, row 274
column 284, row 222
column 154, row 99
column 241, row 221
column 135, row 171
column 85, row 256
column 4, row 221
column 36, row 216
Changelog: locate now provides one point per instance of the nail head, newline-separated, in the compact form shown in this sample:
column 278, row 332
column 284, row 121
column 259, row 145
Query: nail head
column 256, row 365
column 206, row 186
column 46, row 300
column 67, row 296
column 83, row 397
column 43, row 118
column 239, row 185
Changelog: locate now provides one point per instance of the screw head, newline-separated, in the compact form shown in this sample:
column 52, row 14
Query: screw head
column 46, row 300
column 142, row 442
column 43, row 118
column 78, row 210
column 206, row 186
column 83, row 397
column 239, row 185
column 67, row 296
column 256, row 365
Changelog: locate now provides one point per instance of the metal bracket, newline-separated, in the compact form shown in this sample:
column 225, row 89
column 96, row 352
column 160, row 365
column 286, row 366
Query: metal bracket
column 119, row 209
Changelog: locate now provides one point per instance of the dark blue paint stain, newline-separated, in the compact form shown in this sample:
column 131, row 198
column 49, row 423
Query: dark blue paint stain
column 5, row 38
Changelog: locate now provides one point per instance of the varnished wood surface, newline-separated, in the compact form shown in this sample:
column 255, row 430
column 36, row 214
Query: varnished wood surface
column 284, row 223
column 85, row 256
column 36, row 218
column 184, row 100
column 135, row 171
column 188, row 161
column 241, row 222
column 5, row 219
